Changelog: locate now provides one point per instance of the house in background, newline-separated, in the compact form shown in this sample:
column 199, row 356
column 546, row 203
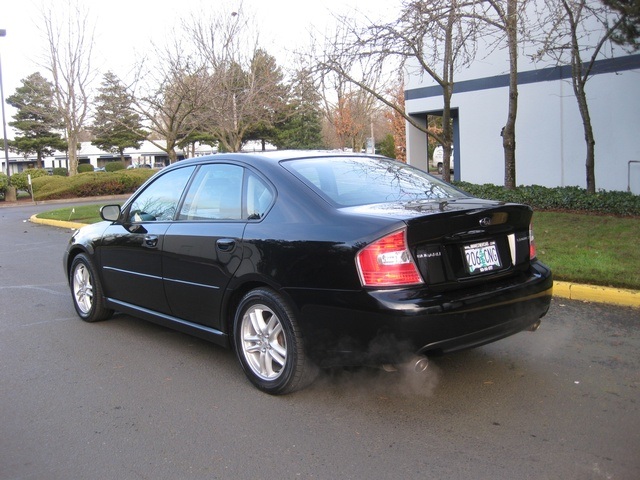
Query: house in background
column 550, row 144
column 147, row 154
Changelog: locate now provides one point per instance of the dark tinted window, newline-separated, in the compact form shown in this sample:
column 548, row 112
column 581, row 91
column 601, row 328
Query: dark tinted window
column 214, row 194
column 159, row 200
column 259, row 197
column 349, row 181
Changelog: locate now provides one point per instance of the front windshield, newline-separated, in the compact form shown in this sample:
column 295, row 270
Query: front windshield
column 352, row 181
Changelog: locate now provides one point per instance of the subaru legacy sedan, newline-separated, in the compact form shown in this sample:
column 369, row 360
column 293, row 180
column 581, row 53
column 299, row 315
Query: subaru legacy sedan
column 305, row 260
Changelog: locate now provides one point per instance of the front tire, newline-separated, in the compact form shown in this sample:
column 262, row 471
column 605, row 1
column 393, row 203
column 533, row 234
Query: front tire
column 86, row 290
column 269, row 344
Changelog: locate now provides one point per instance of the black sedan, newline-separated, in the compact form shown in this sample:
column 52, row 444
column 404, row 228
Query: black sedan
column 303, row 260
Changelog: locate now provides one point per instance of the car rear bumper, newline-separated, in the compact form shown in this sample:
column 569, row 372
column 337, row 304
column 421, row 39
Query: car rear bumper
column 385, row 326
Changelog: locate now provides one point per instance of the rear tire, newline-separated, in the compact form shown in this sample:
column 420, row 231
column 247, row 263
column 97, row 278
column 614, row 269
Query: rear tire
column 86, row 290
column 269, row 344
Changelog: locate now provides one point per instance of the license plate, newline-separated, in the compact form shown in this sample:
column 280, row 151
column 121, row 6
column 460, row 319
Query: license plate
column 482, row 257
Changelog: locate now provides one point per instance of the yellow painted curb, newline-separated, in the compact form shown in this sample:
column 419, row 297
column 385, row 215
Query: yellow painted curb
column 56, row 223
column 592, row 293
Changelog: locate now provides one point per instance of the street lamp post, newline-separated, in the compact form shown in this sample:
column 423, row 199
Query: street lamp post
column 10, row 193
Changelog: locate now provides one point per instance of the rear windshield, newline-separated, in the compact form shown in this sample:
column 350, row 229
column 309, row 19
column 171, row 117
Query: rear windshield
column 351, row 181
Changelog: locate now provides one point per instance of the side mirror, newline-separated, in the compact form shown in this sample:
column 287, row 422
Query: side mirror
column 111, row 213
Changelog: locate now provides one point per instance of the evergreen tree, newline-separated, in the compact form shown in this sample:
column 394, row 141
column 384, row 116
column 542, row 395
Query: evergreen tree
column 262, row 87
column 388, row 146
column 628, row 31
column 188, row 144
column 36, row 120
column 301, row 126
column 116, row 125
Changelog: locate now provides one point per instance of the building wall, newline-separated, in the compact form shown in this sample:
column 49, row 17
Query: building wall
column 550, row 145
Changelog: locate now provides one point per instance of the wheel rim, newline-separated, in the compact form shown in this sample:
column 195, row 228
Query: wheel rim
column 83, row 288
column 263, row 342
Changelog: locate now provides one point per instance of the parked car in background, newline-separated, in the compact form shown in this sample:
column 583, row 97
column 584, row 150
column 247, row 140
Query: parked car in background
column 302, row 260
column 437, row 159
column 139, row 165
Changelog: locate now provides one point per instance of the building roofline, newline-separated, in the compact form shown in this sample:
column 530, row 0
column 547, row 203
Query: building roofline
column 607, row 65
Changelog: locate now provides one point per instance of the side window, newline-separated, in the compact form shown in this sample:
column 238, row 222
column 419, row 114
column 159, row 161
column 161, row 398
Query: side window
column 259, row 197
column 159, row 200
column 215, row 194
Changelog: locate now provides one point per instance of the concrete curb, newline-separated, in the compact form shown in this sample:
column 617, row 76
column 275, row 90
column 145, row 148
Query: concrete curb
column 572, row 291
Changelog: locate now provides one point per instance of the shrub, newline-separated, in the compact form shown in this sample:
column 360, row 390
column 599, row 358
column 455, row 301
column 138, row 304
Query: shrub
column 560, row 198
column 4, row 183
column 61, row 172
column 114, row 166
column 90, row 184
column 21, row 180
column 85, row 167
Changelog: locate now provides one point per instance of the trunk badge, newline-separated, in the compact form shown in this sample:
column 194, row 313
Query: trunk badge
column 485, row 222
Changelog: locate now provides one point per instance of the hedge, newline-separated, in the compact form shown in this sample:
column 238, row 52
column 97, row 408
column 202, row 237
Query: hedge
column 21, row 180
column 114, row 166
column 574, row 199
column 90, row 184
column 85, row 167
column 4, row 183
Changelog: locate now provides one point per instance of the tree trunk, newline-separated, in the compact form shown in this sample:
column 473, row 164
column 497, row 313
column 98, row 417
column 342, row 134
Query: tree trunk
column 589, row 137
column 447, row 135
column 72, row 150
column 578, row 80
column 509, row 131
column 447, row 91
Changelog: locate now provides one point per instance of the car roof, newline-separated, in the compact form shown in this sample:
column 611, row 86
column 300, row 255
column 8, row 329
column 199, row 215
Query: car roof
column 274, row 156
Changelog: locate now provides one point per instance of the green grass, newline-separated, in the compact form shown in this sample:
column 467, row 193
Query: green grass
column 80, row 214
column 590, row 249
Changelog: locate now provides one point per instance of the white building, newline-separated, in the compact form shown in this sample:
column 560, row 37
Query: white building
column 550, row 145
column 148, row 154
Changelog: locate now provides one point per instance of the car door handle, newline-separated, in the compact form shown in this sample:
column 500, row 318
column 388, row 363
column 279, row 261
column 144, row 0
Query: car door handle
column 150, row 241
column 226, row 244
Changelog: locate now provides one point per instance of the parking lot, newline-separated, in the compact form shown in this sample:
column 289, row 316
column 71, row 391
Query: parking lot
column 126, row 399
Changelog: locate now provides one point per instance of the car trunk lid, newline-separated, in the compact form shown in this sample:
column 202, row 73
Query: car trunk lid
column 463, row 241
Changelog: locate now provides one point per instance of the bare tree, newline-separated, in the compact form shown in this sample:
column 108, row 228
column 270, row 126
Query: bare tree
column 397, row 124
column 433, row 38
column 69, row 36
column 169, row 97
column 577, row 29
column 428, row 38
column 246, row 93
column 506, row 19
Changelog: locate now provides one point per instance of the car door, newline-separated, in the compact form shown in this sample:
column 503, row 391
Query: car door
column 131, row 251
column 203, row 248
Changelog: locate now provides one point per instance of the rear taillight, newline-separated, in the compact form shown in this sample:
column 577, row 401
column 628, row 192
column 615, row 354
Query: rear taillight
column 532, row 243
column 387, row 262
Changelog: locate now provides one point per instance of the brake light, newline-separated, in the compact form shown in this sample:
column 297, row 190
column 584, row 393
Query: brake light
column 387, row 262
column 532, row 243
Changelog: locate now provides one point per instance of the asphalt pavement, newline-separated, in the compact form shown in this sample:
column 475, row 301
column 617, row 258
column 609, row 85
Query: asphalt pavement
column 127, row 399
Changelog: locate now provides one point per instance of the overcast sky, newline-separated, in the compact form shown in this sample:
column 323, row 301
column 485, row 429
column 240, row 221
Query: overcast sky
column 126, row 28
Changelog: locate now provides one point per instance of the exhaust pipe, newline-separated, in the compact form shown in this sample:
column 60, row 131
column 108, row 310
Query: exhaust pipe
column 534, row 326
column 416, row 364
